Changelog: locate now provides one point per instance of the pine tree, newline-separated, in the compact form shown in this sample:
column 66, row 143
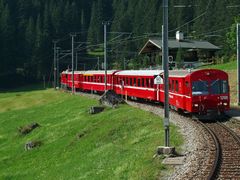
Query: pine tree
column 179, row 58
column 92, row 27
column 7, row 40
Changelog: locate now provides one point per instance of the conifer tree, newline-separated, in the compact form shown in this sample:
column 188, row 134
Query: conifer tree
column 92, row 27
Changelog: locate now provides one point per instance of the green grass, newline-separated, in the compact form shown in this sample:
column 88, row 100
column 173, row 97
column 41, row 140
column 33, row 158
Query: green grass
column 226, row 66
column 117, row 144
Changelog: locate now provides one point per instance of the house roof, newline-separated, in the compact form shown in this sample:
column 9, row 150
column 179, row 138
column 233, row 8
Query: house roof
column 156, row 44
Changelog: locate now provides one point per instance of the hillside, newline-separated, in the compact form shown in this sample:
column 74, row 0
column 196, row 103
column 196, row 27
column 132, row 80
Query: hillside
column 116, row 144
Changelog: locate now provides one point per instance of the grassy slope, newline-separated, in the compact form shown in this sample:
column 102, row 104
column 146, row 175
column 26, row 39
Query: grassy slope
column 227, row 66
column 118, row 143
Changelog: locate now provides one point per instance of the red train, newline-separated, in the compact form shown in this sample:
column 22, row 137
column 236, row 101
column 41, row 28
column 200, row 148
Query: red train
column 193, row 91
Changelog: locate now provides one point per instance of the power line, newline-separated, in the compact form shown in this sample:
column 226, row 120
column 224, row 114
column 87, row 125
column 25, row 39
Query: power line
column 199, row 16
column 211, row 32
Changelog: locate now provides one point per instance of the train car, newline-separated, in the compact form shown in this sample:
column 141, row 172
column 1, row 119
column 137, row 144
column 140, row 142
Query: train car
column 78, row 79
column 197, row 91
column 194, row 91
column 137, row 83
column 94, row 80
column 200, row 91
column 64, row 79
column 209, row 91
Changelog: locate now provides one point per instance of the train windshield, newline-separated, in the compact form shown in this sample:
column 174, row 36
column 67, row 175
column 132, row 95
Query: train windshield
column 200, row 88
column 219, row 87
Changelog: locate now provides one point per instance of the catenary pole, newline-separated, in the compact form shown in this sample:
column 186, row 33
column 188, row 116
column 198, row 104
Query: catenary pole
column 162, row 50
column 166, row 73
column 54, row 64
column 76, row 61
column 73, row 36
column 105, row 54
column 57, row 61
column 238, row 64
column 98, row 64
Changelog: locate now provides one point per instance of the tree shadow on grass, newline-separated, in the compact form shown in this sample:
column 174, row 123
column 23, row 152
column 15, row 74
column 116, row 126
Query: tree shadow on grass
column 25, row 88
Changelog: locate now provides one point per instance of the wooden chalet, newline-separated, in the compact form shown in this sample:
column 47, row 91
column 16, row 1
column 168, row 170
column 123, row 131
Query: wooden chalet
column 194, row 51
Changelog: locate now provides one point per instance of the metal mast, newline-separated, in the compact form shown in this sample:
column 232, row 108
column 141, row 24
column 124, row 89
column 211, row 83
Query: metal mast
column 238, row 64
column 73, row 36
column 166, row 73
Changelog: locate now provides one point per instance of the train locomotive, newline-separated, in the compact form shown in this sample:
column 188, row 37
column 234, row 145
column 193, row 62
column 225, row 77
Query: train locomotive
column 198, row 92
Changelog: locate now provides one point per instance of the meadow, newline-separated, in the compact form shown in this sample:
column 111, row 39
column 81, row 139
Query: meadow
column 115, row 144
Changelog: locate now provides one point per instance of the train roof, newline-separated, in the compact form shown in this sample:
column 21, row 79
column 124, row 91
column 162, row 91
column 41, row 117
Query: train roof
column 75, row 72
column 172, row 73
column 99, row 72
column 139, row 72
column 180, row 73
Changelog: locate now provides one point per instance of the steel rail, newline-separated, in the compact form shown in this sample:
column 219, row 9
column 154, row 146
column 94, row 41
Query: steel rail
column 213, row 171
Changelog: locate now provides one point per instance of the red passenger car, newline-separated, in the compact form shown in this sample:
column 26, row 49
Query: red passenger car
column 137, row 83
column 64, row 79
column 94, row 80
column 197, row 91
column 78, row 79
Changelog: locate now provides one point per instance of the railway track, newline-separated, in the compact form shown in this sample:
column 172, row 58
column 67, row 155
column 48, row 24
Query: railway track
column 226, row 161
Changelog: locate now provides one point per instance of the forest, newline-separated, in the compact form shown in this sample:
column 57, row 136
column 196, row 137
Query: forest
column 28, row 29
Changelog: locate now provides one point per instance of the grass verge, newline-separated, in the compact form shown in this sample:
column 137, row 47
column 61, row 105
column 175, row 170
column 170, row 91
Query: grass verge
column 116, row 144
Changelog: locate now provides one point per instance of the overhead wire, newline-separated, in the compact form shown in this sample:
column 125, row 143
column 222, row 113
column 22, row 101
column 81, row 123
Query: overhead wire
column 199, row 16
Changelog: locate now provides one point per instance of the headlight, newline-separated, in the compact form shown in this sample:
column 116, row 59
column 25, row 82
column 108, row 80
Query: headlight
column 195, row 105
column 225, row 104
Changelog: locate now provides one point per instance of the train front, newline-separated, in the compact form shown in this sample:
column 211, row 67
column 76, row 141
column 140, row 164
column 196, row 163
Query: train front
column 210, row 92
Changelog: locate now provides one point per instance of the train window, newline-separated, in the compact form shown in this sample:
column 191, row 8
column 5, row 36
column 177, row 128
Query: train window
column 147, row 82
column 219, row 87
column 125, row 81
column 151, row 83
column 170, row 85
column 139, row 82
column 200, row 88
column 215, row 87
column 134, row 82
column 187, row 87
column 130, row 83
column 177, row 86
column 224, row 86
column 143, row 82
